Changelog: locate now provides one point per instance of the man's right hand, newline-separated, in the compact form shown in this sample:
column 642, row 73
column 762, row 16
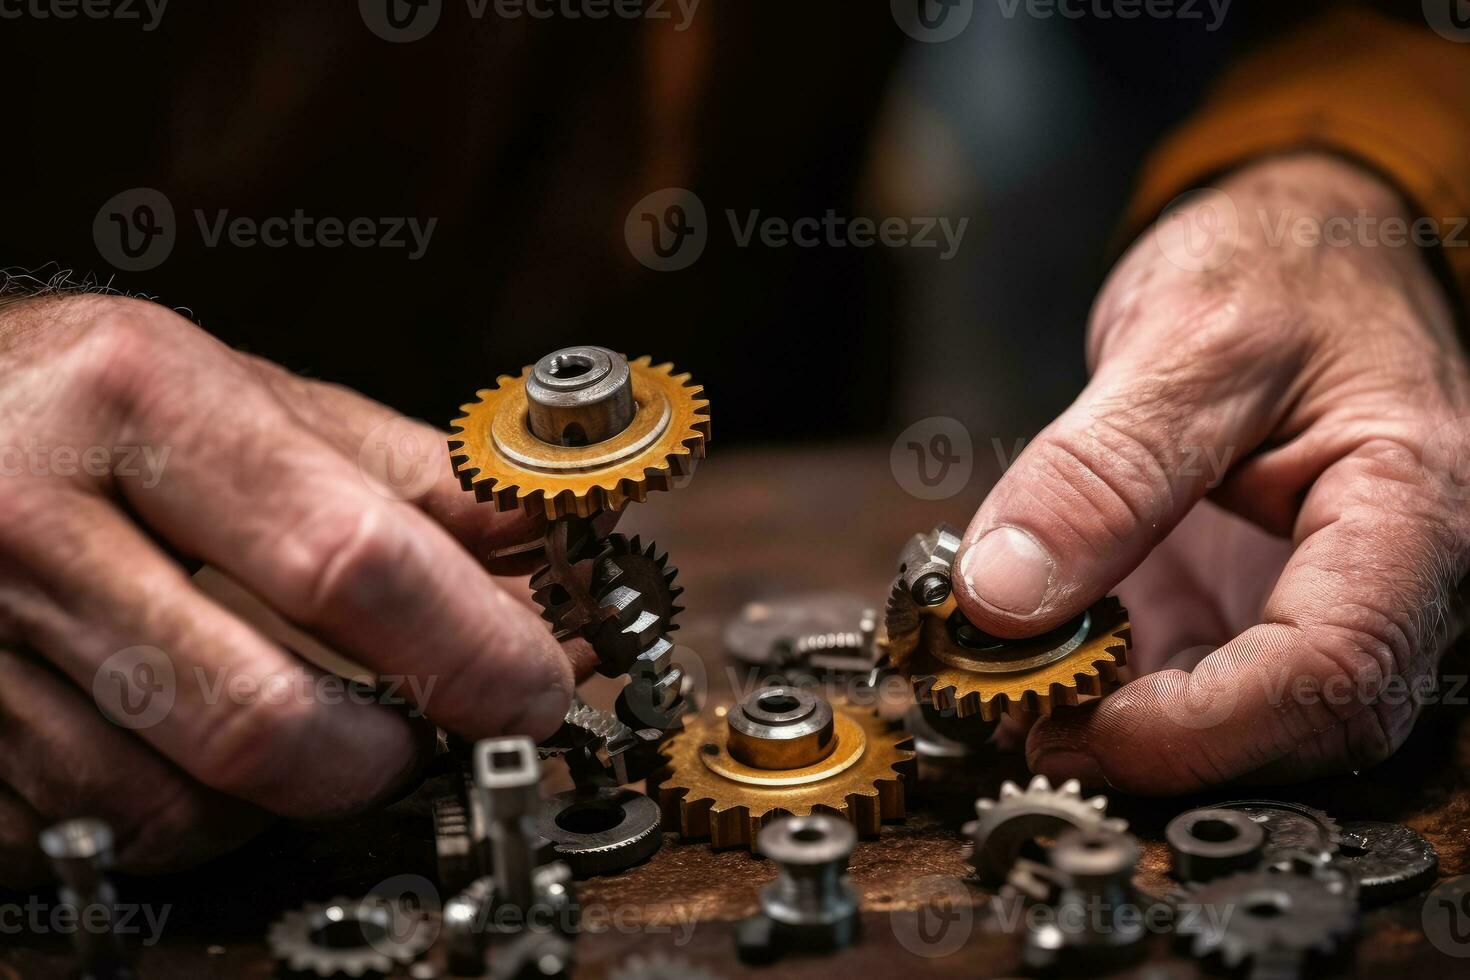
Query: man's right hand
column 131, row 440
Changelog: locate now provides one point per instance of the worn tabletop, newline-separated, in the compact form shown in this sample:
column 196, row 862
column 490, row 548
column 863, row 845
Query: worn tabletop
column 762, row 524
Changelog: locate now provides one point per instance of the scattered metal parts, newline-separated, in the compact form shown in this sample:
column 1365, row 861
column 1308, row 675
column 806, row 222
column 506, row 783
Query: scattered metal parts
column 962, row 670
column 1386, row 860
column 601, row 831
column 706, row 790
column 1098, row 925
column 821, row 631
column 658, row 967
column 80, row 852
column 348, row 937
column 1005, row 825
column 1274, row 922
column 810, row 906
column 1293, row 826
column 1210, row 843
column 497, row 454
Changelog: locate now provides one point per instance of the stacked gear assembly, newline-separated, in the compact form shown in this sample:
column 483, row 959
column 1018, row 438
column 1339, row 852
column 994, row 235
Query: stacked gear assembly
column 962, row 675
column 577, row 437
column 784, row 751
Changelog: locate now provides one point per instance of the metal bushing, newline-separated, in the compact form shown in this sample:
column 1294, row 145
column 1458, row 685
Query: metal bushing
column 1098, row 925
column 781, row 728
column 601, row 831
column 578, row 396
column 810, row 906
column 1209, row 843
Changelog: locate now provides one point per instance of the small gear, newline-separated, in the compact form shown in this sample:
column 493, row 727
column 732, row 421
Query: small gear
column 726, row 778
column 1291, row 826
column 1274, row 921
column 964, row 672
column 1003, row 826
column 496, row 454
column 348, row 937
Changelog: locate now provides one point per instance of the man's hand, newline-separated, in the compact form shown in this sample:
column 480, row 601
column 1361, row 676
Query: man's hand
column 1319, row 392
column 130, row 439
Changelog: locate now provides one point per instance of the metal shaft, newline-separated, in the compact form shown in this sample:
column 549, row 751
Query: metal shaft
column 508, row 777
column 579, row 395
column 80, row 852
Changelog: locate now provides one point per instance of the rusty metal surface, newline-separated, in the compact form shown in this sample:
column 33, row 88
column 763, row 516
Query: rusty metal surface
column 755, row 525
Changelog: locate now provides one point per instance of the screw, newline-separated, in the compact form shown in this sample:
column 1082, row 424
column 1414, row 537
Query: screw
column 931, row 589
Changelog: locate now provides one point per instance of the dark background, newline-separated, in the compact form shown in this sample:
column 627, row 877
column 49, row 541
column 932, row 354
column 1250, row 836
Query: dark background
column 530, row 140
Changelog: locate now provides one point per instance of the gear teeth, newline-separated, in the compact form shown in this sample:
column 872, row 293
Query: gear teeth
column 518, row 487
column 728, row 822
column 1039, row 784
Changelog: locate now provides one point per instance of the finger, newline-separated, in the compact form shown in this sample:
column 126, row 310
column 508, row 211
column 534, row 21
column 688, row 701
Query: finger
column 66, row 761
column 1333, row 678
column 235, row 712
column 1084, row 503
column 405, row 459
column 247, row 489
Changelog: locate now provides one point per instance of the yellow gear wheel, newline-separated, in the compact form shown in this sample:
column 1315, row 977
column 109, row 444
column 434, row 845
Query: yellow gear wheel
column 958, row 669
column 709, row 787
column 495, row 453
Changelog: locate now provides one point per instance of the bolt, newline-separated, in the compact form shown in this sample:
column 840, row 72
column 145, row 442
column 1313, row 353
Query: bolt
column 931, row 589
column 810, row 905
column 81, row 852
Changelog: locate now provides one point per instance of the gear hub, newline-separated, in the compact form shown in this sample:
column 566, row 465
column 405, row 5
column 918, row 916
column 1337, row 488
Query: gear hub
column 783, row 751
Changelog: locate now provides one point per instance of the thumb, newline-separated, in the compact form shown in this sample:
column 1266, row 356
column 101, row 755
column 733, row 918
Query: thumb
column 1099, row 487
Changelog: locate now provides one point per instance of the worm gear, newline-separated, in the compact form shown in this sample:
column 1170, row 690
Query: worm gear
column 346, row 937
column 1272, row 921
column 1003, row 826
column 783, row 751
column 532, row 441
column 962, row 671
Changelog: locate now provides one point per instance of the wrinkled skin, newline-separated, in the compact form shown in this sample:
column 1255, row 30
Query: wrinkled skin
column 1284, row 606
column 274, row 480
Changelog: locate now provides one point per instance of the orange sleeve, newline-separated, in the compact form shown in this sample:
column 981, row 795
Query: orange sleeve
column 1391, row 94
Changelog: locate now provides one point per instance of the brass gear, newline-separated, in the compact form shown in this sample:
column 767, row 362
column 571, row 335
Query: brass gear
column 707, row 793
column 990, row 677
column 495, row 454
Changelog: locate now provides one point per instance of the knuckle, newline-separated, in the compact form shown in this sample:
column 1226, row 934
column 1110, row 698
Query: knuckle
column 249, row 749
column 122, row 348
column 339, row 560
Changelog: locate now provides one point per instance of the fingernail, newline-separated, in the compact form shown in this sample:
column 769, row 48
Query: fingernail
column 1064, row 765
column 1009, row 570
column 543, row 714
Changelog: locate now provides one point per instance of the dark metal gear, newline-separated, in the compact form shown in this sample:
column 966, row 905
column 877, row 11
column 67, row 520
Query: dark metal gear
column 601, row 831
column 1005, row 825
column 1290, row 826
column 1274, row 922
column 635, row 591
column 369, row 937
column 1210, row 843
column 1386, row 860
